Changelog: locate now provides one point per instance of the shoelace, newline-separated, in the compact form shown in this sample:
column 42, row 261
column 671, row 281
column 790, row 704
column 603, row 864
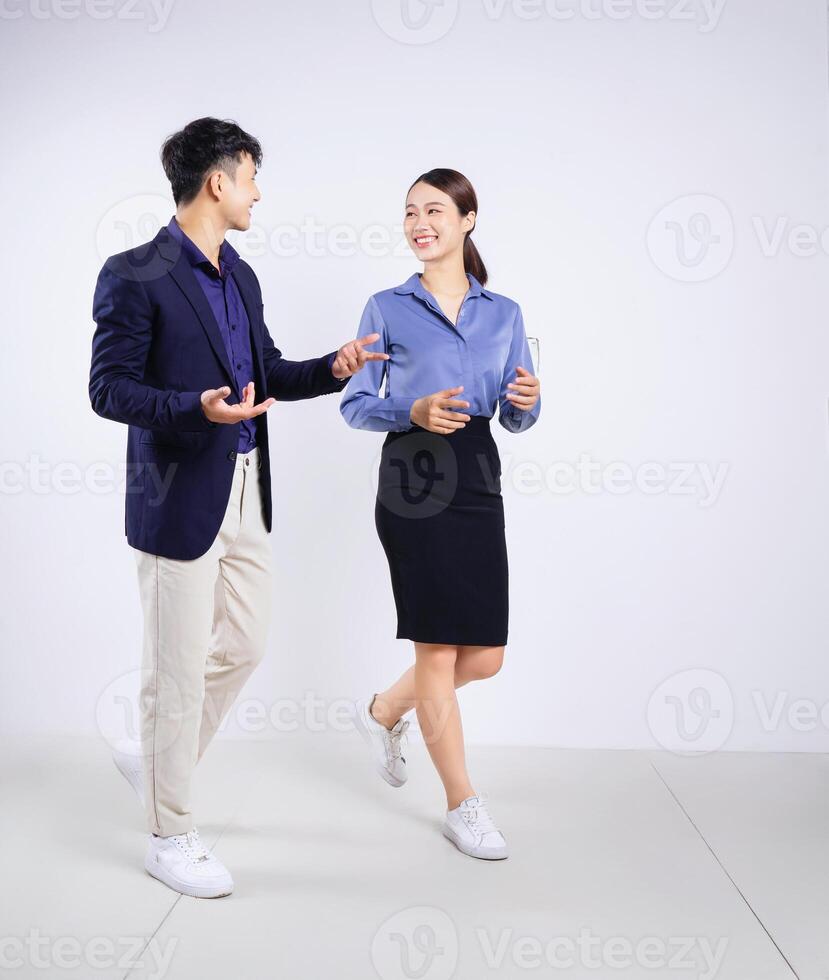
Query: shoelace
column 394, row 742
column 191, row 846
column 477, row 817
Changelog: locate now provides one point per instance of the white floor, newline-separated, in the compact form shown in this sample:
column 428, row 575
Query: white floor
column 623, row 864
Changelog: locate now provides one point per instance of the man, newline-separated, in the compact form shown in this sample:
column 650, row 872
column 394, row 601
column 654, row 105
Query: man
column 179, row 353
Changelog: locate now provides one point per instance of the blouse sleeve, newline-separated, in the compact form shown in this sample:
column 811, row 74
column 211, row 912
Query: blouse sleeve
column 510, row 416
column 361, row 406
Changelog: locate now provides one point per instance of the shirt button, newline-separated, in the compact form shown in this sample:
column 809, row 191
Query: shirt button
column 238, row 365
column 233, row 326
column 232, row 454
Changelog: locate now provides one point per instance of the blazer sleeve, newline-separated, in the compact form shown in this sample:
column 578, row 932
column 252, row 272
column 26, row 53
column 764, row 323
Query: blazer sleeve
column 120, row 347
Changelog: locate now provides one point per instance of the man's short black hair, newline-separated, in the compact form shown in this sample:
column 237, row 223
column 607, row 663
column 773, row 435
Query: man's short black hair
column 202, row 146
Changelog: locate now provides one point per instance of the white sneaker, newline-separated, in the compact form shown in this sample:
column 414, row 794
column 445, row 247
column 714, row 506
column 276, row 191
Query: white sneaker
column 472, row 830
column 129, row 761
column 385, row 744
column 187, row 866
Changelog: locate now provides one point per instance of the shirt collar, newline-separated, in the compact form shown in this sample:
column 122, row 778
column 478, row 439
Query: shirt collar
column 414, row 285
column 228, row 256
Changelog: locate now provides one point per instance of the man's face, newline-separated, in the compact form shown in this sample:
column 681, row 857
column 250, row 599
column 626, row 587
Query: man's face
column 237, row 195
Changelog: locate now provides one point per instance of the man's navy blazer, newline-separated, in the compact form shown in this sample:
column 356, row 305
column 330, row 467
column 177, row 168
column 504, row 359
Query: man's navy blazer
column 156, row 348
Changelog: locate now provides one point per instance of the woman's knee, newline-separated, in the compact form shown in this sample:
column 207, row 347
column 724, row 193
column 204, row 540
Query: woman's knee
column 478, row 664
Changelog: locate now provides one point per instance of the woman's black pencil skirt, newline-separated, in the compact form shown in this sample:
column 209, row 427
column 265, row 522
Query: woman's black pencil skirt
column 440, row 519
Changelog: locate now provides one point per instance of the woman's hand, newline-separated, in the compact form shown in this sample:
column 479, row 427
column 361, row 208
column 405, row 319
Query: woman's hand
column 435, row 412
column 526, row 390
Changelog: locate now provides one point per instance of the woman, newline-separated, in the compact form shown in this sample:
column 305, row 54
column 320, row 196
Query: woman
column 456, row 353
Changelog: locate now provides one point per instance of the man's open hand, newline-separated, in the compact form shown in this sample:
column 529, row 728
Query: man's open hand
column 351, row 356
column 217, row 409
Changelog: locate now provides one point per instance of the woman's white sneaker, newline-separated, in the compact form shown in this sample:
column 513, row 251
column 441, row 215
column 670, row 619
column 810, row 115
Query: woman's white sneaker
column 386, row 744
column 184, row 864
column 472, row 830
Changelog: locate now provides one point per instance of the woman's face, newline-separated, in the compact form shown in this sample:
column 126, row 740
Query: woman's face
column 433, row 225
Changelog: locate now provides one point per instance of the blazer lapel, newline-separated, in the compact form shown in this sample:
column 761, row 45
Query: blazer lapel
column 254, row 316
column 183, row 275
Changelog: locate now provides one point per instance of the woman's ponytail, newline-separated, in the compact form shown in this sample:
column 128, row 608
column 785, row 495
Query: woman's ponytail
column 472, row 261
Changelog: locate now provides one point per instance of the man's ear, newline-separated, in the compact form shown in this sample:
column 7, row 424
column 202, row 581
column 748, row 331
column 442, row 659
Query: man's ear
column 214, row 183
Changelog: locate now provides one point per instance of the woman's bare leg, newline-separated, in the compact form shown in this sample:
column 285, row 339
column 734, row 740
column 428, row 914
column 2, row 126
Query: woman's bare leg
column 440, row 718
column 471, row 664
column 439, row 670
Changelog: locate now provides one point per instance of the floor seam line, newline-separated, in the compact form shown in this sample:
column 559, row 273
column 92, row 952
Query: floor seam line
column 178, row 898
column 724, row 870
column 167, row 915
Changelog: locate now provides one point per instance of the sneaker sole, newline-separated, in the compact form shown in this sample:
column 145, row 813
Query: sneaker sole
column 155, row 870
column 450, row 835
column 366, row 736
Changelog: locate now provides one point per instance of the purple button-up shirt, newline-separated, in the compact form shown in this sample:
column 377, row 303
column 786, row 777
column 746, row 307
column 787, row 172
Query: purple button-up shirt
column 222, row 294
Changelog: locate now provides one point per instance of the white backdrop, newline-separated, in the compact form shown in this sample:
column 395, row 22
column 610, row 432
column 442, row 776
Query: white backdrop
column 652, row 177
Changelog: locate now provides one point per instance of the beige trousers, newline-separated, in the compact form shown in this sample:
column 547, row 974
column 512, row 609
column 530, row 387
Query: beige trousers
column 205, row 629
